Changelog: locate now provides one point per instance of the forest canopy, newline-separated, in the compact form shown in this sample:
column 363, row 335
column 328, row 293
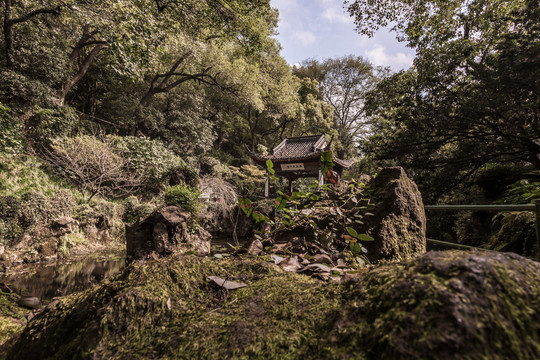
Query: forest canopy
column 207, row 78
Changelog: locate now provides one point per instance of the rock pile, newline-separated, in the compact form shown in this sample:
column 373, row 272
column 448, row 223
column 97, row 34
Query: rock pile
column 163, row 233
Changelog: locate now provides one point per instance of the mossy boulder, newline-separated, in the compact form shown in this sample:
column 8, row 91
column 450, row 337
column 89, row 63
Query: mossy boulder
column 398, row 223
column 447, row 305
column 168, row 308
column 451, row 305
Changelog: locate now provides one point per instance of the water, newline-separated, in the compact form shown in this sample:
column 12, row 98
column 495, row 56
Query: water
column 46, row 281
column 64, row 277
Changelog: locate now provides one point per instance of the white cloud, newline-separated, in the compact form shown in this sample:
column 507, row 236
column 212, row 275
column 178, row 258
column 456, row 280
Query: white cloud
column 284, row 5
column 397, row 61
column 304, row 37
column 333, row 14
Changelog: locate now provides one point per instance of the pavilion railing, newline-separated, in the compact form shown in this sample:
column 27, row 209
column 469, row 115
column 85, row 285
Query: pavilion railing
column 516, row 207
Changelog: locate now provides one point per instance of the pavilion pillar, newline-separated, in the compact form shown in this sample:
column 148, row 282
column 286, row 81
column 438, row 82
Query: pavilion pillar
column 290, row 185
column 267, row 187
column 321, row 178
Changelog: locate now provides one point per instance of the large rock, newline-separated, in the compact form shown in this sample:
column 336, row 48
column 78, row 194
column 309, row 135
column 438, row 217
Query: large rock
column 398, row 223
column 165, row 232
column 441, row 305
column 447, row 305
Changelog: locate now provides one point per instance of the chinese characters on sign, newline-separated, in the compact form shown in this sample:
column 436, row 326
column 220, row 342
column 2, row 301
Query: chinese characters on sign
column 292, row 167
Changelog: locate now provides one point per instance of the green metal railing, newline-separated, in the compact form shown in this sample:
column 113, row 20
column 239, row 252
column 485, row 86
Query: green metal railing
column 518, row 207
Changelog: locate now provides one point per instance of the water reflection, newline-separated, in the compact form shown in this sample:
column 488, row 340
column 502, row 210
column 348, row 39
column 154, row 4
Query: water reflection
column 46, row 281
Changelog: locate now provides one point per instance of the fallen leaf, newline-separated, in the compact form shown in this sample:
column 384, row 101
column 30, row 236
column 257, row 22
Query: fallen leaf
column 290, row 264
column 280, row 247
column 277, row 259
column 255, row 248
column 227, row 284
column 316, row 268
column 323, row 259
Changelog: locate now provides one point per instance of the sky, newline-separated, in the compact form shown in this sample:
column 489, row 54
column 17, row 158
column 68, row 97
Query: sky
column 321, row 29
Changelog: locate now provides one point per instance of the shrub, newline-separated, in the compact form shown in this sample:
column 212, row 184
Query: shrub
column 133, row 209
column 213, row 167
column 524, row 190
column 183, row 196
column 94, row 166
column 21, row 91
column 184, row 175
column 9, row 226
column 148, row 158
column 222, row 199
column 44, row 125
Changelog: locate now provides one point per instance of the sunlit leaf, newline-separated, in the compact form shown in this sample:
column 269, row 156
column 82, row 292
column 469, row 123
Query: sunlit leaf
column 364, row 237
column 352, row 232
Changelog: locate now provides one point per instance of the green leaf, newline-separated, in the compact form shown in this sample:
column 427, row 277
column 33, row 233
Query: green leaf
column 356, row 249
column 282, row 202
column 352, row 232
column 258, row 217
column 246, row 205
column 364, row 237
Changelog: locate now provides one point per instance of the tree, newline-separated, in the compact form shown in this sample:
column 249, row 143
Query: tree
column 21, row 17
column 472, row 96
column 344, row 83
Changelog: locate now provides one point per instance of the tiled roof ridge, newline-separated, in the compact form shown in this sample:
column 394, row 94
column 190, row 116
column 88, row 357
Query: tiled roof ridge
column 314, row 142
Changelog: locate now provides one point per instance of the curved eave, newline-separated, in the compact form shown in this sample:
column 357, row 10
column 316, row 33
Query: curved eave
column 343, row 163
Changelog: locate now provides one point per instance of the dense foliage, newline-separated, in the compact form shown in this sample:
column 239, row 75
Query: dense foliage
column 200, row 76
column 206, row 81
column 472, row 95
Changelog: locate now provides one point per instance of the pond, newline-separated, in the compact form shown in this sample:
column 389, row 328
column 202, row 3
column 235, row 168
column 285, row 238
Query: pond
column 63, row 277
column 60, row 278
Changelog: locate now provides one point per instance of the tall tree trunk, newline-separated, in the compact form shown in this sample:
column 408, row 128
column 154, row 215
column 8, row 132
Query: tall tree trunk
column 71, row 81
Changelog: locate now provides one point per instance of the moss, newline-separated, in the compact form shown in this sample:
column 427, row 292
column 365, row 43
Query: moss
column 440, row 305
column 11, row 317
column 447, row 304
column 68, row 241
column 168, row 308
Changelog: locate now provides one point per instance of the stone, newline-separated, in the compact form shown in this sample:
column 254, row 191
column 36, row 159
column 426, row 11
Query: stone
column 63, row 221
column 398, row 223
column 63, row 225
column 164, row 232
column 447, row 305
column 30, row 302
column 160, row 237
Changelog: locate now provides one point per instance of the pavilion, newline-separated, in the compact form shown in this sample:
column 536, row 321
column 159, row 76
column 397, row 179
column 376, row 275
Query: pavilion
column 300, row 157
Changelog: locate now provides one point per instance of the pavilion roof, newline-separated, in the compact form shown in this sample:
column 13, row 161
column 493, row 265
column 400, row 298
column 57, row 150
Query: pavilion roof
column 299, row 148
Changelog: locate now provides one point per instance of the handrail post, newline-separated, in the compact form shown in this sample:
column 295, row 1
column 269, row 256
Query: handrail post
column 537, row 213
